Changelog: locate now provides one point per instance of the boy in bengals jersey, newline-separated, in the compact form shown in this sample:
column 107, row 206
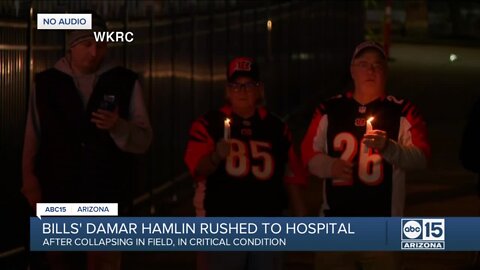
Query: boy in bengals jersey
column 243, row 162
column 361, row 143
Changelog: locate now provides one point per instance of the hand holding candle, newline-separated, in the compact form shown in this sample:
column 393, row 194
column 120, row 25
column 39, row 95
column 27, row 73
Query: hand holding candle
column 376, row 139
column 226, row 129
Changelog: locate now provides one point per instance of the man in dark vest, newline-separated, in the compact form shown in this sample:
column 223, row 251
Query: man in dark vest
column 86, row 118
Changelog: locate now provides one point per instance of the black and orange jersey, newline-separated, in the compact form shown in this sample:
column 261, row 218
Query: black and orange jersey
column 338, row 128
column 251, row 181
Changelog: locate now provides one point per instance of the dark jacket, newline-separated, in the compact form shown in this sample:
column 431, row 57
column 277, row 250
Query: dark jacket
column 76, row 161
column 470, row 148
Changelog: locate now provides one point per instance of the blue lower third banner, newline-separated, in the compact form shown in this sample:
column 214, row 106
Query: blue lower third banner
column 253, row 234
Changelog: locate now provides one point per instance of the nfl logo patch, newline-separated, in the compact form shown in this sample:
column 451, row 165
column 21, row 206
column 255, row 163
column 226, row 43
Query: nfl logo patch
column 246, row 132
column 362, row 109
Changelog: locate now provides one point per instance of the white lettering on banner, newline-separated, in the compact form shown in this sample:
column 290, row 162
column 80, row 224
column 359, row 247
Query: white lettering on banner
column 319, row 228
column 244, row 242
column 57, row 242
column 209, row 242
column 90, row 242
column 160, row 242
column 228, row 228
column 259, row 242
column 423, row 245
column 168, row 228
column 109, row 228
column 60, row 228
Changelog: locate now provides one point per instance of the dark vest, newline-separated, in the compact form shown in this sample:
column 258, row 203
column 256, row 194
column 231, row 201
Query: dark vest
column 76, row 161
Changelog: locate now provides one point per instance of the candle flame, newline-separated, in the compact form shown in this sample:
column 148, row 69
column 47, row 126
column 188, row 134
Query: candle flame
column 269, row 25
column 227, row 121
column 370, row 120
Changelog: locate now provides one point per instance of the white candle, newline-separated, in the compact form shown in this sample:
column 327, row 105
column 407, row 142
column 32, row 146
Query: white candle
column 226, row 129
column 368, row 130
column 369, row 125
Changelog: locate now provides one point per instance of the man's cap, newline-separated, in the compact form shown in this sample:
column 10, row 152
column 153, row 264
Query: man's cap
column 368, row 45
column 77, row 36
column 243, row 66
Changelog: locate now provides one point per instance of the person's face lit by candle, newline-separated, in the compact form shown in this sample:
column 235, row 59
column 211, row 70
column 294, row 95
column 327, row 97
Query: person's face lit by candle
column 369, row 73
column 244, row 94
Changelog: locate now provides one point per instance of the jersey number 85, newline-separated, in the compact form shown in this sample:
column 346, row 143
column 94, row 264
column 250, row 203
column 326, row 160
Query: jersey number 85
column 238, row 161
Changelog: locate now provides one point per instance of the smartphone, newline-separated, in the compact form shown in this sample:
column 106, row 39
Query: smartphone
column 109, row 103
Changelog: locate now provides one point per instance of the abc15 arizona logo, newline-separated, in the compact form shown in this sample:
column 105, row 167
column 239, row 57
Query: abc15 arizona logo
column 423, row 234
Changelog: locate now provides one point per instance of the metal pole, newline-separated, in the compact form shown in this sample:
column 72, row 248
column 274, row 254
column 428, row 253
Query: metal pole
column 211, row 59
column 192, row 59
column 150, row 105
column 227, row 23
column 255, row 30
column 387, row 27
column 125, row 26
column 242, row 31
column 28, row 58
column 173, row 92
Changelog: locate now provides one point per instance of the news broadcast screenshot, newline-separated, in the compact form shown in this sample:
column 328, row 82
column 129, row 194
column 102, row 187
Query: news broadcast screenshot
column 239, row 135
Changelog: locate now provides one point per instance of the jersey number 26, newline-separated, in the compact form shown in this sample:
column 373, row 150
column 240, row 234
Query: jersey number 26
column 370, row 165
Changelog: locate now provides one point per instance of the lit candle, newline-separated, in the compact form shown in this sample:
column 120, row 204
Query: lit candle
column 368, row 130
column 369, row 125
column 226, row 129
